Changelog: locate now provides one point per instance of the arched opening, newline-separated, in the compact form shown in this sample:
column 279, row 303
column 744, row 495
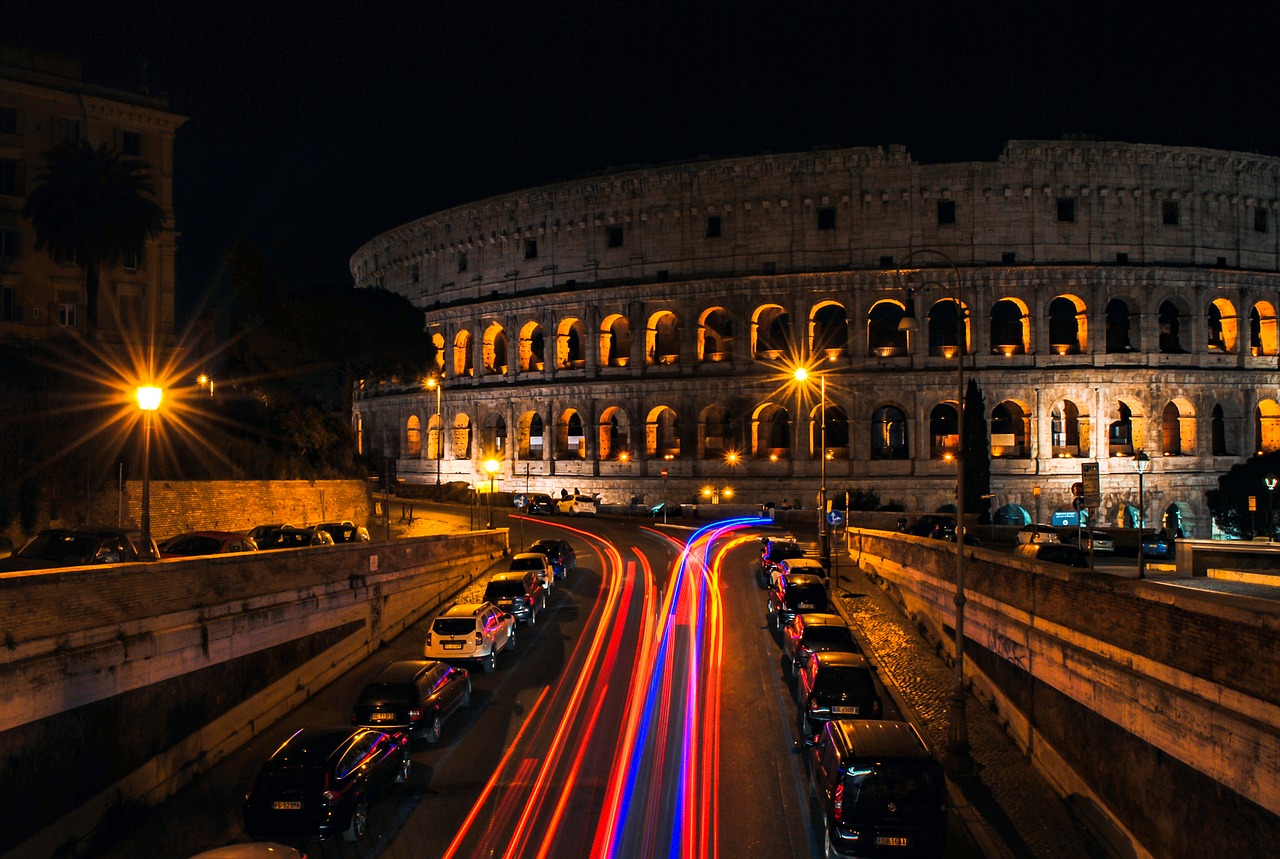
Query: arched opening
column 945, row 328
column 413, row 437
column 1177, row 428
column 1011, row 514
column 662, row 434
column 569, row 345
column 1221, row 325
column 1121, row 433
column 435, row 437
column 615, row 341
column 461, row 437
column 437, row 352
column 829, row 330
column 1068, row 432
column 834, row 444
column 571, row 441
column 662, row 338
column 944, row 432
column 615, row 435
column 532, row 348
column 1170, row 321
column 1067, row 326
column 494, row 350
column 1010, row 430
column 1010, row 328
column 889, row 438
column 1262, row 329
column 1119, row 323
column 771, row 432
column 495, row 436
column 533, row 438
column 463, row 359
column 715, row 335
column 1225, row 429
column 883, row 337
column 1266, row 426
column 771, row 332
column 716, row 432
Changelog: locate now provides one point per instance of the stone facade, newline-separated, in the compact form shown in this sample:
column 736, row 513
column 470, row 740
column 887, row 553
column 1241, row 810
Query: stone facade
column 636, row 333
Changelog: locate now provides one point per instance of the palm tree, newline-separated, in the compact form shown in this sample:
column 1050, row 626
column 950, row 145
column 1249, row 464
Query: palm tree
column 94, row 206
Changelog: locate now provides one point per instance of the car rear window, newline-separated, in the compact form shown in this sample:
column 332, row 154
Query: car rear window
column 500, row 590
column 193, row 545
column 784, row 551
column 387, row 693
column 60, row 547
column 834, row 680
column 915, row 788
column 814, row 595
column 453, row 625
column 291, row 780
column 828, row 635
column 528, row 563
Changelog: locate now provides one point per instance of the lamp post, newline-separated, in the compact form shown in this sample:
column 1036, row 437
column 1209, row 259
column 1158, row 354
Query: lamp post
column 433, row 384
column 491, row 466
column 1270, row 482
column 824, row 541
column 149, row 401
column 958, row 730
column 1141, row 462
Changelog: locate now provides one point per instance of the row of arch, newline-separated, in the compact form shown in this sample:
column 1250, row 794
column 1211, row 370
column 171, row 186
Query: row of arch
column 767, row 431
column 947, row 321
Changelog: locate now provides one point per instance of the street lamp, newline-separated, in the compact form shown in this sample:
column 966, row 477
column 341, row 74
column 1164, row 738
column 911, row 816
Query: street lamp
column 824, row 542
column 491, row 466
column 1270, row 482
column 1141, row 462
column 433, row 384
column 958, row 735
column 149, row 401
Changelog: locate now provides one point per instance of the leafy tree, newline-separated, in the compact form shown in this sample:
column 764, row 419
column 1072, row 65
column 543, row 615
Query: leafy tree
column 976, row 442
column 94, row 206
column 1229, row 503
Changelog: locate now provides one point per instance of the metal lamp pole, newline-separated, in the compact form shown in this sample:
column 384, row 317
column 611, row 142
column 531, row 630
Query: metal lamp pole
column 434, row 384
column 149, row 401
column 1141, row 462
column 1270, row 482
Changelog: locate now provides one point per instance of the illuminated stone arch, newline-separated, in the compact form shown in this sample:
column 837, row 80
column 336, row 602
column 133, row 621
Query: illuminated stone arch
column 438, row 352
column 829, row 329
column 1225, row 429
column 532, row 442
column 615, row 341
column 1178, row 428
column 944, row 431
column 493, row 350
column 413, row 437
column 770, row 432
column 461, row 436
column 1121, row 326
column 662, row 433
column 494, row 441
column 770, row 332
column 1011, row 430
column 1011, row 514
column 1070, row 430
column 884, row 336
column 836, row 442
column 1170, row 315
column 1266, row 426
column 1262, row 329
column 570, row 344
column 463, row 357
column 614, row 434
column 435, row 437
column 662, row 338
column 1221, row 326
column 715, row 335
column 890, row 435
column 571, row 437
column 531, row 357
column 1126, row 428
column 715, row 432
column 1068, row 325
column 1010, row 327
column 944, row 326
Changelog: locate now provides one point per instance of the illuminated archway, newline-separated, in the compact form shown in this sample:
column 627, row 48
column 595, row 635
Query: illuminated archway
column 532, row 348
column 662, row 338
column 1068, row 326
column 413, row 437
column 615, row 341
column 662, row 433
column 463, row 359
column 1221, row 325
column 569, row 344
column 715, row 335
column 884, row 338
column 1010, row 327
column 614, row 434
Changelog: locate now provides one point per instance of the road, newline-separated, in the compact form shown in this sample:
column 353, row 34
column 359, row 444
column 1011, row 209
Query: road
column 644, row 714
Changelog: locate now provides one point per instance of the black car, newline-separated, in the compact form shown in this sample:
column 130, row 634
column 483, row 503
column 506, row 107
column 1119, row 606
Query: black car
column 289, row 537
column 811, row 633
column 417, row 695
column 74, row 547
column 1054, row 553
column 774, row 552
column 321, row 781
column 794, row 595
column 345, row 532
column 562, row 556
column 880, row 790
column 835, row 685
column 540, row 502
column 519, row 593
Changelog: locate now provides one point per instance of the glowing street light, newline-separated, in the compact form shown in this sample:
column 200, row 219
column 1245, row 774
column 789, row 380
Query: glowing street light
column 491, row 466
column 1141, row 462
column 148, row 401
column 433, row 384
column 824, row 543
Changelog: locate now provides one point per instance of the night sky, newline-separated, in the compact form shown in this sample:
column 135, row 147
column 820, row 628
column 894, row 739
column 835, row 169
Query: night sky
column 314, row 126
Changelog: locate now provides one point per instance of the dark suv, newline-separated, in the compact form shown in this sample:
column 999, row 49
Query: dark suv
column 73, row 547
column 834, row 685
column 811, row 633
column 561, row 555
column 793, row 595
column 879, row 790
column 417, row 695
column 519, row 593
column 774, row 552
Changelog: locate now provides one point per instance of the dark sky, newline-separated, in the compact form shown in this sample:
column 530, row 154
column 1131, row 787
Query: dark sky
column 315, row 125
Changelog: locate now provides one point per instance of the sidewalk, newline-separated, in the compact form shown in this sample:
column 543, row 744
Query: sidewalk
column 1009, row 807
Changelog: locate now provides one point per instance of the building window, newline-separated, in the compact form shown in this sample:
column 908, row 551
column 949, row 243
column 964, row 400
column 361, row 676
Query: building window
column 10, row 243
column 827, row 218
column 131, row 144
column 69, row 130
column 1170, row 211
column 8, row 120
column 8, row 177
column 946, row 211
column 66, row 315
column 713, row 227
column 531, row 248
column 66, row 256
column 10, row 305
column 462, row 262
column 615, row 237
column 416, row 272
column 1259, row 220
column 1067, row 210
column 132, row 261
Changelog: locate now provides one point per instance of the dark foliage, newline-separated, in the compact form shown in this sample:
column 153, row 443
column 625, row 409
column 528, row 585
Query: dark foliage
column 1229, row 503
column 976, row 442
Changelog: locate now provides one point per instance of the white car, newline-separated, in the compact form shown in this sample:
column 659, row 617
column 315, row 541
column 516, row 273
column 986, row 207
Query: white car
column 1038, row 534
column 524, row 561
column 1101, row 541
column 577, row 505
column 477, row 631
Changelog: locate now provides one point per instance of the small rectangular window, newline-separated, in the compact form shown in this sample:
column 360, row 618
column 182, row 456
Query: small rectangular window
column 8, row 120
column 69, row 130
column 615, row 237
column 132, row 261
column 462, row 262
column 1067, row 210
column 67, row 315
column 65, row 256
column 530, row 248
column 886, row 262
column 1260, row 220
column 10, row 243
column 946, row 211
column 827, row 218
column 713, row 227
column 1122, row 258
column 1170, row 212
column 8, row 177
column 416, row 272
column 769, row 268
column 1008, row 257
column 131, row 144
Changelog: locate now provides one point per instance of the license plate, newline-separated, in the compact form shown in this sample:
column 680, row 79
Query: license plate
column 845, row 711
column 453, row 645
column 892, row 841
column 382, row 717
column 289, row 805
column 807, row 605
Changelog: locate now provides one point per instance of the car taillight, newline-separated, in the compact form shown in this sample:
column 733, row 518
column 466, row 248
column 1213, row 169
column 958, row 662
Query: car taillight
column 479, row 637
column 837, row 801
column 875, row 707
column 415, row 715
column 428, row 638
column 528, row 600
column 329, row 795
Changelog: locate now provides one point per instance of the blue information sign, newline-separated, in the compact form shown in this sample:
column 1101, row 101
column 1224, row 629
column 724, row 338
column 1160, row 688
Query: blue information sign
column 521, row 500
column 835, row 517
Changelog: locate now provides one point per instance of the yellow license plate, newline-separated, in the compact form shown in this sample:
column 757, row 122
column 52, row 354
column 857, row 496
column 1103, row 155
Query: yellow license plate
column 845, row 711
column 893, row 841
column 382, row 717
column 287, row 805
column 453, row 645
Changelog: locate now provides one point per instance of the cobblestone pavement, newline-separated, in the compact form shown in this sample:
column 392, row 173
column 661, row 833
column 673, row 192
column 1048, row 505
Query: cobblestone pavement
column 1006, row 791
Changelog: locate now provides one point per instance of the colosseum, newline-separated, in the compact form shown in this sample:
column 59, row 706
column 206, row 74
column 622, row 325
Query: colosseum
column 636, row 333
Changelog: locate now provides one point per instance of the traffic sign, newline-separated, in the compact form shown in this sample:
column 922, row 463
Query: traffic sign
column 520, row 501
column 835, row 517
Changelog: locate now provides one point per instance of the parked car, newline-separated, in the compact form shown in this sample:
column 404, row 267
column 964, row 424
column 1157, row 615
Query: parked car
column 577, row 505
column 935, row 527
column 478, row 631
column 1157, row 546
column 561, row 555
column 774, row 551
column 540, row 502
column 1037, row 534
column 537, row 562
column 1054, row 553
column 196, row 543
column 417, row 696
column 794, row 595
column 880, row 791
column 814, row 633
column 835, row 685
column 290, row 537
column 260, row 531
column 74, row 547
column 321, row 781
column 520, row 593
column 345, row 532
column 1100, row 541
